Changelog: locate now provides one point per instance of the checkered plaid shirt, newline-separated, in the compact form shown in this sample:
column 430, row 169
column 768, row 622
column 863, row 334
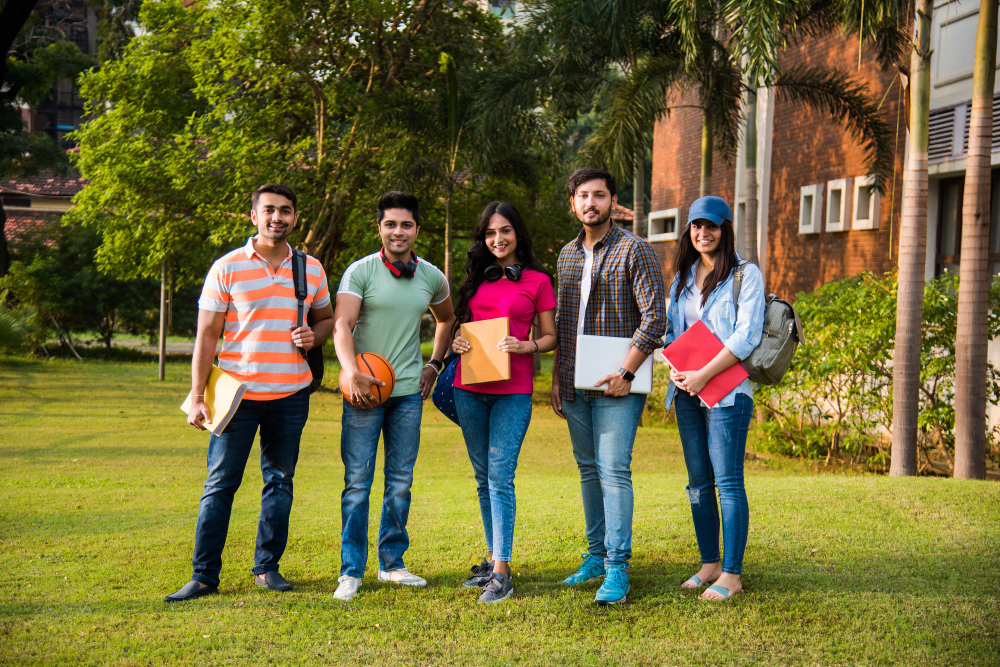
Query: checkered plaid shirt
column 626, row 298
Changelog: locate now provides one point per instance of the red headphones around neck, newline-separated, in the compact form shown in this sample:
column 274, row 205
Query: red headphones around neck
column 398, row 268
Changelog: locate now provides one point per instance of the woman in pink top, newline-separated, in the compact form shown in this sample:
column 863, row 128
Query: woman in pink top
column 502, row 279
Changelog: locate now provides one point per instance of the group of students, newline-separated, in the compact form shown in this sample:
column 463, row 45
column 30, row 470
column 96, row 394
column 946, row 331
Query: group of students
column 609, row 284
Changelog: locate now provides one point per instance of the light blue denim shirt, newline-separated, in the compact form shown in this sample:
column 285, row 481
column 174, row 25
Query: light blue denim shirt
column 740, row 333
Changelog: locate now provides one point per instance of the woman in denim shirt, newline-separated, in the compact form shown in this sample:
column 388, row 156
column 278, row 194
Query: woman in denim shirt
column 714, row 441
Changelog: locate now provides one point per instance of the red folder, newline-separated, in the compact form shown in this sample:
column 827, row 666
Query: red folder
column 692, row 351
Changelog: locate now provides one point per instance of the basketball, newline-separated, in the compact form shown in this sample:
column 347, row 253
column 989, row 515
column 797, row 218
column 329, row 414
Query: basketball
column 376, row 366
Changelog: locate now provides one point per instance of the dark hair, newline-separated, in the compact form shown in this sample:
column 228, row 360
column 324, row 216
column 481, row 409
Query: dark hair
column 274, row 189
column 581, row 176
column 480, row 256
column 686, row 256
column 397, row 199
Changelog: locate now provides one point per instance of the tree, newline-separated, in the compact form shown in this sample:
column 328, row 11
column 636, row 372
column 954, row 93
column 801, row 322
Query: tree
column 973, row 307
column 214, row 100
column 912, row 249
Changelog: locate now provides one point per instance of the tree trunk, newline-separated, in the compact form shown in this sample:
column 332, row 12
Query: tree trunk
column 972, row 334
column 162, row 374
column 912, row 252
column 706, row 155
column 447, row 231
column 639, row 194
column 4, row 253
column 750, row 180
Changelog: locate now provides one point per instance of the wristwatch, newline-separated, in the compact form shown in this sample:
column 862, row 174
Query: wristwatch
column 628, row 376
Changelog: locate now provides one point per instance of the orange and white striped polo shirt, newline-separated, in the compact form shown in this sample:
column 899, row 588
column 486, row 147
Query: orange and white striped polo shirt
column 260, row 304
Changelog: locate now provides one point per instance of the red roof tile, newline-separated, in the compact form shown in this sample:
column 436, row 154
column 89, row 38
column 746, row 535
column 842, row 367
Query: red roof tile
column 44, row 184
column 24, row 225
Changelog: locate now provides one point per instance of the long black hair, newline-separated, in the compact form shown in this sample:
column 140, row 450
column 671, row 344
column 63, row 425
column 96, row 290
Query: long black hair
column 480, row 256
column 725, row 260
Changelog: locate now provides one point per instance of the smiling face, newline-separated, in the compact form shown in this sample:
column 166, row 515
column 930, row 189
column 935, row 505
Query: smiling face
column 398, row 231
column 501, row 240
column 706, row 236
column 275, row 217
column 592, row 203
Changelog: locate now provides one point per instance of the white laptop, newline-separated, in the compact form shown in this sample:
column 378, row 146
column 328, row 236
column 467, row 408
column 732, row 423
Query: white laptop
column 598, row 356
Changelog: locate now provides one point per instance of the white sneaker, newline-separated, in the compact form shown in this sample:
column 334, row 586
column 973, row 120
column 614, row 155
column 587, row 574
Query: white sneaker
column 347, row 588
column 401, row 576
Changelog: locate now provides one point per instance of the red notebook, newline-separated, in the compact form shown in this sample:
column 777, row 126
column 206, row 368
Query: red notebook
column 692, row 351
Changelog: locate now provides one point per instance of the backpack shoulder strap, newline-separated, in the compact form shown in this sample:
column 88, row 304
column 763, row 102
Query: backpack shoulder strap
column 299, row 280
column 738, row 285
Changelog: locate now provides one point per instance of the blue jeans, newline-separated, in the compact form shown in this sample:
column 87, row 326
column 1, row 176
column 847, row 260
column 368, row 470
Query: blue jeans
column 602, row 430
column 715, row 442
column 398, row 419
column 494, row 426
column 280, row 422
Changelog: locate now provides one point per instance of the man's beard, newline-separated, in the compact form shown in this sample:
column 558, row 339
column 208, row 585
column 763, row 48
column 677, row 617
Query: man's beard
column 600, row 220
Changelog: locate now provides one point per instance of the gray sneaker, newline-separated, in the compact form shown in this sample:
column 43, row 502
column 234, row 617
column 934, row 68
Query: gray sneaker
column 496, row 589
column 480, row 574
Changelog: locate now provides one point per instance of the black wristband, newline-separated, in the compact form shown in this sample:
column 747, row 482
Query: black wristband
column 536, row 346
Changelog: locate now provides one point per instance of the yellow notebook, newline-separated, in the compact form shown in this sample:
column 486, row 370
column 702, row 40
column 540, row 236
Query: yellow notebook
column 223, row 394
column 484, row 362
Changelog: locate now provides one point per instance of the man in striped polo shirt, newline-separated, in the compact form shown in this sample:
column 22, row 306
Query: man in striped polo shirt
column 249, row 299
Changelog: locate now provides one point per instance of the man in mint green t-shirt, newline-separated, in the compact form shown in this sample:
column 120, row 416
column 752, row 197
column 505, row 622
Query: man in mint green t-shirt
column 379, row 305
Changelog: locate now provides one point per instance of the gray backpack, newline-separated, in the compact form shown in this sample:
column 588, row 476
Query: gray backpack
column 782, row 334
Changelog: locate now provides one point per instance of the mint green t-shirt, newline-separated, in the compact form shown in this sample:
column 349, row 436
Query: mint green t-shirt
column 391, row 307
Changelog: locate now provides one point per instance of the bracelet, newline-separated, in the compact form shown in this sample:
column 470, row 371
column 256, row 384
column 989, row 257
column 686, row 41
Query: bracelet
column 436, row 365
column 197, row 395
column 536, row 346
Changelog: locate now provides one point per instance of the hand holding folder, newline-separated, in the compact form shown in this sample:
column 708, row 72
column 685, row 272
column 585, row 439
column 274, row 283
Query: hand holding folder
column 484, row 362
column 223, row 394
column 692, row 351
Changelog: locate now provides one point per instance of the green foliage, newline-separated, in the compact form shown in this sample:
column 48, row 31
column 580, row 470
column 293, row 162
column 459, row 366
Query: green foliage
column 340, row 101
column 13, row 330
column 61, row 284
column 836, row 399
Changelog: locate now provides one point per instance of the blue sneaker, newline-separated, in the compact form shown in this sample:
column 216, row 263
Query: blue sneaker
column 615, row 587
column 591, row 568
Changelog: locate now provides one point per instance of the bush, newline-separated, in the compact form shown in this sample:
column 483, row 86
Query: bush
column 836, row 399
column 59, row 281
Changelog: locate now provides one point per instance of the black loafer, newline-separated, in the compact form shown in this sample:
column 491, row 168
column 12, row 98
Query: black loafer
column 190, row 591
column 273, row 581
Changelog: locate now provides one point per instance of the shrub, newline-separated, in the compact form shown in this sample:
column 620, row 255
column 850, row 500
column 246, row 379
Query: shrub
column 836, row 399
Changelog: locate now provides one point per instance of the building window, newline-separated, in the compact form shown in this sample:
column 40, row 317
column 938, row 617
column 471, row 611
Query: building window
column 951, row 195
column 663, row 225
column 838, row 195
column 810, row 208
column 867, row 204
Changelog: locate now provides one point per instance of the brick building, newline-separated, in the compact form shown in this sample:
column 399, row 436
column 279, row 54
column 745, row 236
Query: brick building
column 817, row 221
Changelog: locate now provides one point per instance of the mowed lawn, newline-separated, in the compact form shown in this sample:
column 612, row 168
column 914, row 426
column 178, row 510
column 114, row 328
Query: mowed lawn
column 99, row 485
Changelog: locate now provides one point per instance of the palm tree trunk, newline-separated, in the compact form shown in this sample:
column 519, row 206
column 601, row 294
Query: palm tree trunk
column 972, row 334
column 750, row 179
column 706, row 154
column 639, row 194
column 912, row 253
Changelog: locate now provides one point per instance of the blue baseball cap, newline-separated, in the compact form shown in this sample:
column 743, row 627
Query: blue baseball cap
column 714, row 209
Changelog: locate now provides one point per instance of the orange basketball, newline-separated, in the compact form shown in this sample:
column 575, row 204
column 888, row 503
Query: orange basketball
column 376, row 366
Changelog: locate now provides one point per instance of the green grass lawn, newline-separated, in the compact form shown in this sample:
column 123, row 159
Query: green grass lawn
column 100, row 479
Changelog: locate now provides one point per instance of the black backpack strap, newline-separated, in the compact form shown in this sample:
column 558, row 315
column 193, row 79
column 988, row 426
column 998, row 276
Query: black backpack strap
column 299, row 280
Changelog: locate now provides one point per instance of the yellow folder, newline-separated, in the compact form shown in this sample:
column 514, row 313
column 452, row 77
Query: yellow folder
column 223, row 394
column 484, row 362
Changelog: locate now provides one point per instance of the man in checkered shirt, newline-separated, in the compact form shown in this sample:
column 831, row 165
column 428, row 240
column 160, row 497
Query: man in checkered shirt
column 610, row 284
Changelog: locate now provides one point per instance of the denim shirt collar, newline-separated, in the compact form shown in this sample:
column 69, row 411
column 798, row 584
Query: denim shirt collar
column 692, row 272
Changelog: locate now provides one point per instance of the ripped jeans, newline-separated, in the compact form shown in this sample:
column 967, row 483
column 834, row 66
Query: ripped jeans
column 398, row 421
column 714, row 443
column 280, row 422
